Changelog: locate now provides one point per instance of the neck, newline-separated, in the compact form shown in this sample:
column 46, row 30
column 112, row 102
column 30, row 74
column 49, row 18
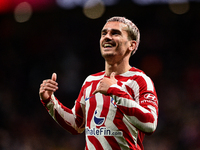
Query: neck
column 117, row 68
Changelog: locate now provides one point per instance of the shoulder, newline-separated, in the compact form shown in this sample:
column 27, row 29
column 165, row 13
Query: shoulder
column 98, row 74
column 140, row 77
column 95, row 76
column 135, row 73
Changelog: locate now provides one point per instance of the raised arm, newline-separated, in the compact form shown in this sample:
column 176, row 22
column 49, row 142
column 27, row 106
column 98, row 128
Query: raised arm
column 71, row 120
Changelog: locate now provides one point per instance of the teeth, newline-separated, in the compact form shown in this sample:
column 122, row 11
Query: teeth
column 107, row 45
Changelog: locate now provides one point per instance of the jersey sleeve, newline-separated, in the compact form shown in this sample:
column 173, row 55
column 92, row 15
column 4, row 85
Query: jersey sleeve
column 71, row 120
column 138, row 102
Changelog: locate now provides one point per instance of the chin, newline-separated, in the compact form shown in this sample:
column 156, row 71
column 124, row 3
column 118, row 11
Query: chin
column 107, row 54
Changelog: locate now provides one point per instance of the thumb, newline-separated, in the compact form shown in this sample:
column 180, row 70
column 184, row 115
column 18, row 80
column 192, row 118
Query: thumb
column 54, row 76
column 112, row 75
column 96, row 91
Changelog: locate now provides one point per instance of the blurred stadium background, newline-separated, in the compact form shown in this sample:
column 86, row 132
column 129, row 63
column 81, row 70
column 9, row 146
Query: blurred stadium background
column 39, row 37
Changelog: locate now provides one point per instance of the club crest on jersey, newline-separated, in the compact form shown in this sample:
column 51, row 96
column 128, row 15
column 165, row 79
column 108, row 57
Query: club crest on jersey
column 98, row 120
column 150, row 96
column 113, row 102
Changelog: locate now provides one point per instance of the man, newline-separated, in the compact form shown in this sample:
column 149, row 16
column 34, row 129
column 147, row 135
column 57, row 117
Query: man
column 115, row 107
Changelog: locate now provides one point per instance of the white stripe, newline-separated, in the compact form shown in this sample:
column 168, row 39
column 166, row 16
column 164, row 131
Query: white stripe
column 135, row 87
column 65, row 115
column 150, row 86
column 93, row 78
column 89, row 144
column 104, row 143
column 146, row 127
column 109, row 124
column 99, row 107
column 131, row 129
column 153, row 110
column 88, row 91
column 122, row 142
column 99, row 101
column 125, row 102
column 110, row 117
column 87, row 104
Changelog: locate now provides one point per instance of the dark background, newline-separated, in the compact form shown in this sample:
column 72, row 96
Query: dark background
column 67, row 42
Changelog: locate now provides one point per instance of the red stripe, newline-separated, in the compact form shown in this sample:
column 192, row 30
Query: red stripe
column 122, row 127
column 140, row 139
column 130, row 91
column 93, row 104
column 99, row 73
column 63, row 107
column 80, row 94
column 140, row 115
column 64, row 124
column 141, row 82
column 86, row 147
column 139, row 79
column 95, row 142
column 91, row 111
column 117, row 92
column 79, row 114
column 105, row 109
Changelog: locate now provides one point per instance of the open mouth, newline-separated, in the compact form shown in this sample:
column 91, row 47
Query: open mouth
column 108, row 45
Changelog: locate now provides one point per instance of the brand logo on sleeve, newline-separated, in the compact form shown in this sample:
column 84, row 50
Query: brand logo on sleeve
column 150, row 96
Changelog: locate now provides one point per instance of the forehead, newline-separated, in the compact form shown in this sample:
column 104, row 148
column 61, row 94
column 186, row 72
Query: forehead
column 115, row 25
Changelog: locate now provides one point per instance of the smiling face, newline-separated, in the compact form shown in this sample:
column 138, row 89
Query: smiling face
column 114, row 41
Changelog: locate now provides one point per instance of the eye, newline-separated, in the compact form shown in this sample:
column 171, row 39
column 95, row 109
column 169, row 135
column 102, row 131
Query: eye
column 115, row 32
column 103, row 33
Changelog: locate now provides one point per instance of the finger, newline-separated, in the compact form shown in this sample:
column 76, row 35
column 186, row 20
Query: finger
column 49, row 84
column 96, row 91
column 48, row 88
column 112, row 75
column 49, row 81
column 54, row 76
column 41, row 90
column 44, row 81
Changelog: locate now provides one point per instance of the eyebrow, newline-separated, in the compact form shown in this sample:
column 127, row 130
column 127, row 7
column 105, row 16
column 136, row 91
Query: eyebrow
column 116, row 30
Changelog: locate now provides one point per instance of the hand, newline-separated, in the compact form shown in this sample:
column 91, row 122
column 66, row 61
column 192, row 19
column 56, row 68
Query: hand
column 48, row 87
column 105, row 83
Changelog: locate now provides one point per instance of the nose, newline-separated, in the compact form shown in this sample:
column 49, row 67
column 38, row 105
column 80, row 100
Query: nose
column 107, row 37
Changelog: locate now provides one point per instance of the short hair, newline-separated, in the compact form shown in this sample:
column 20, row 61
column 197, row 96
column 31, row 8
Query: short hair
column 133, row 31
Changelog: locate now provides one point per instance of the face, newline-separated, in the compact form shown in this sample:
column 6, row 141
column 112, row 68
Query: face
column 114, row 41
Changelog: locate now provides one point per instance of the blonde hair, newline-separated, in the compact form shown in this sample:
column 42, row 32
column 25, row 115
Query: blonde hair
column 133, row 31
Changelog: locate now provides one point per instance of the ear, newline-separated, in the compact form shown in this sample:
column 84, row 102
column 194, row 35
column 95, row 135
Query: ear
column 132, row 45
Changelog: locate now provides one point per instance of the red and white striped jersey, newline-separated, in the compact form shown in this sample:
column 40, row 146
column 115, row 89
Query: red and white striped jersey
column 117, row 121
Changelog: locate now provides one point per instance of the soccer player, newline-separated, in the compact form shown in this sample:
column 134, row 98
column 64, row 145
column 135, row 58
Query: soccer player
column 115, row 107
